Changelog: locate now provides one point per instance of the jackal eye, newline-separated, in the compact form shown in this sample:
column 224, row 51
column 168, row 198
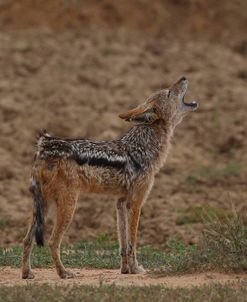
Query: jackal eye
column 169, row 93
column 154, row 110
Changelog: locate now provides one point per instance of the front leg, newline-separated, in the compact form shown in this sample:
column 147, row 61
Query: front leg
column 135, row 202
column 134, row 215
column 122, row 222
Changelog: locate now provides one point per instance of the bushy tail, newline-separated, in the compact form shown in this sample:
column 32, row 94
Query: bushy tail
column 38, row 212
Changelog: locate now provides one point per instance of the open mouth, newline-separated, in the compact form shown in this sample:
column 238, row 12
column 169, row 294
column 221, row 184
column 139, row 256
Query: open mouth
column 192, row 105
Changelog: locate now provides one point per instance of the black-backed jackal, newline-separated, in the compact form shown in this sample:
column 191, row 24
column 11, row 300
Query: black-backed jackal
column 63, row 168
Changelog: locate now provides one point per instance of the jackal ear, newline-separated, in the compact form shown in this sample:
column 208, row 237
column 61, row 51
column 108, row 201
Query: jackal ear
column 140, row 115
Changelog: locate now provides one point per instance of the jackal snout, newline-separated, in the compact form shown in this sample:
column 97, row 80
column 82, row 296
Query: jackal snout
column 166, row 104
column 180, row 86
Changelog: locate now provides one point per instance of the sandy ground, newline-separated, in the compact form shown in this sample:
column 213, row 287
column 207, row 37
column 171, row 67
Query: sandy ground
column 11, row 276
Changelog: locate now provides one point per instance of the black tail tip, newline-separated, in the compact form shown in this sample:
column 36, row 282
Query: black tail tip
column 39, row 237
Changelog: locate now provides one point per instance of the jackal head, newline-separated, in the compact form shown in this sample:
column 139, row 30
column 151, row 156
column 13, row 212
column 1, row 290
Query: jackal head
column 166, row 104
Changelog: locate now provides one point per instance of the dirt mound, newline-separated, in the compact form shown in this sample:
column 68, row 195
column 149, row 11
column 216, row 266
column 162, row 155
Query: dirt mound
column 71, row 68
column 75, row 83
column 11, row 277
column 210, row 18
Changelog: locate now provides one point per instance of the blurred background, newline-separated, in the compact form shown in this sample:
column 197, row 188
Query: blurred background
column 72, row 66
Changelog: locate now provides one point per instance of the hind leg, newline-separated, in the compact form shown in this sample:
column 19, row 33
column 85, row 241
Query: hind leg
column 65, row 210
column 27, row 249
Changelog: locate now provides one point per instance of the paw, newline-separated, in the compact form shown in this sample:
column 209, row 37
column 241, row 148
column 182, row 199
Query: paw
column 27, row 275
column 125, row 270
column 66, row 275
column 137, row 269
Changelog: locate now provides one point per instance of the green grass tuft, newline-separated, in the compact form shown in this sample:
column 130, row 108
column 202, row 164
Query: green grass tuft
column 99, row 254
column 223, row 247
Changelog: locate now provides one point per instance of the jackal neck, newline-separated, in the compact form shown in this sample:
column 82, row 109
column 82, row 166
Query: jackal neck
column 148, row 144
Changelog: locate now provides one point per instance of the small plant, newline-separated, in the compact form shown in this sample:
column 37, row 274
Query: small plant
column 104, row 237
column 227, row 238
column 223, row 246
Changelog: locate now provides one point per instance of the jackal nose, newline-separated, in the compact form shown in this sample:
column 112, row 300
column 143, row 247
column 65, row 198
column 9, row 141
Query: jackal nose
column 183, row 79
